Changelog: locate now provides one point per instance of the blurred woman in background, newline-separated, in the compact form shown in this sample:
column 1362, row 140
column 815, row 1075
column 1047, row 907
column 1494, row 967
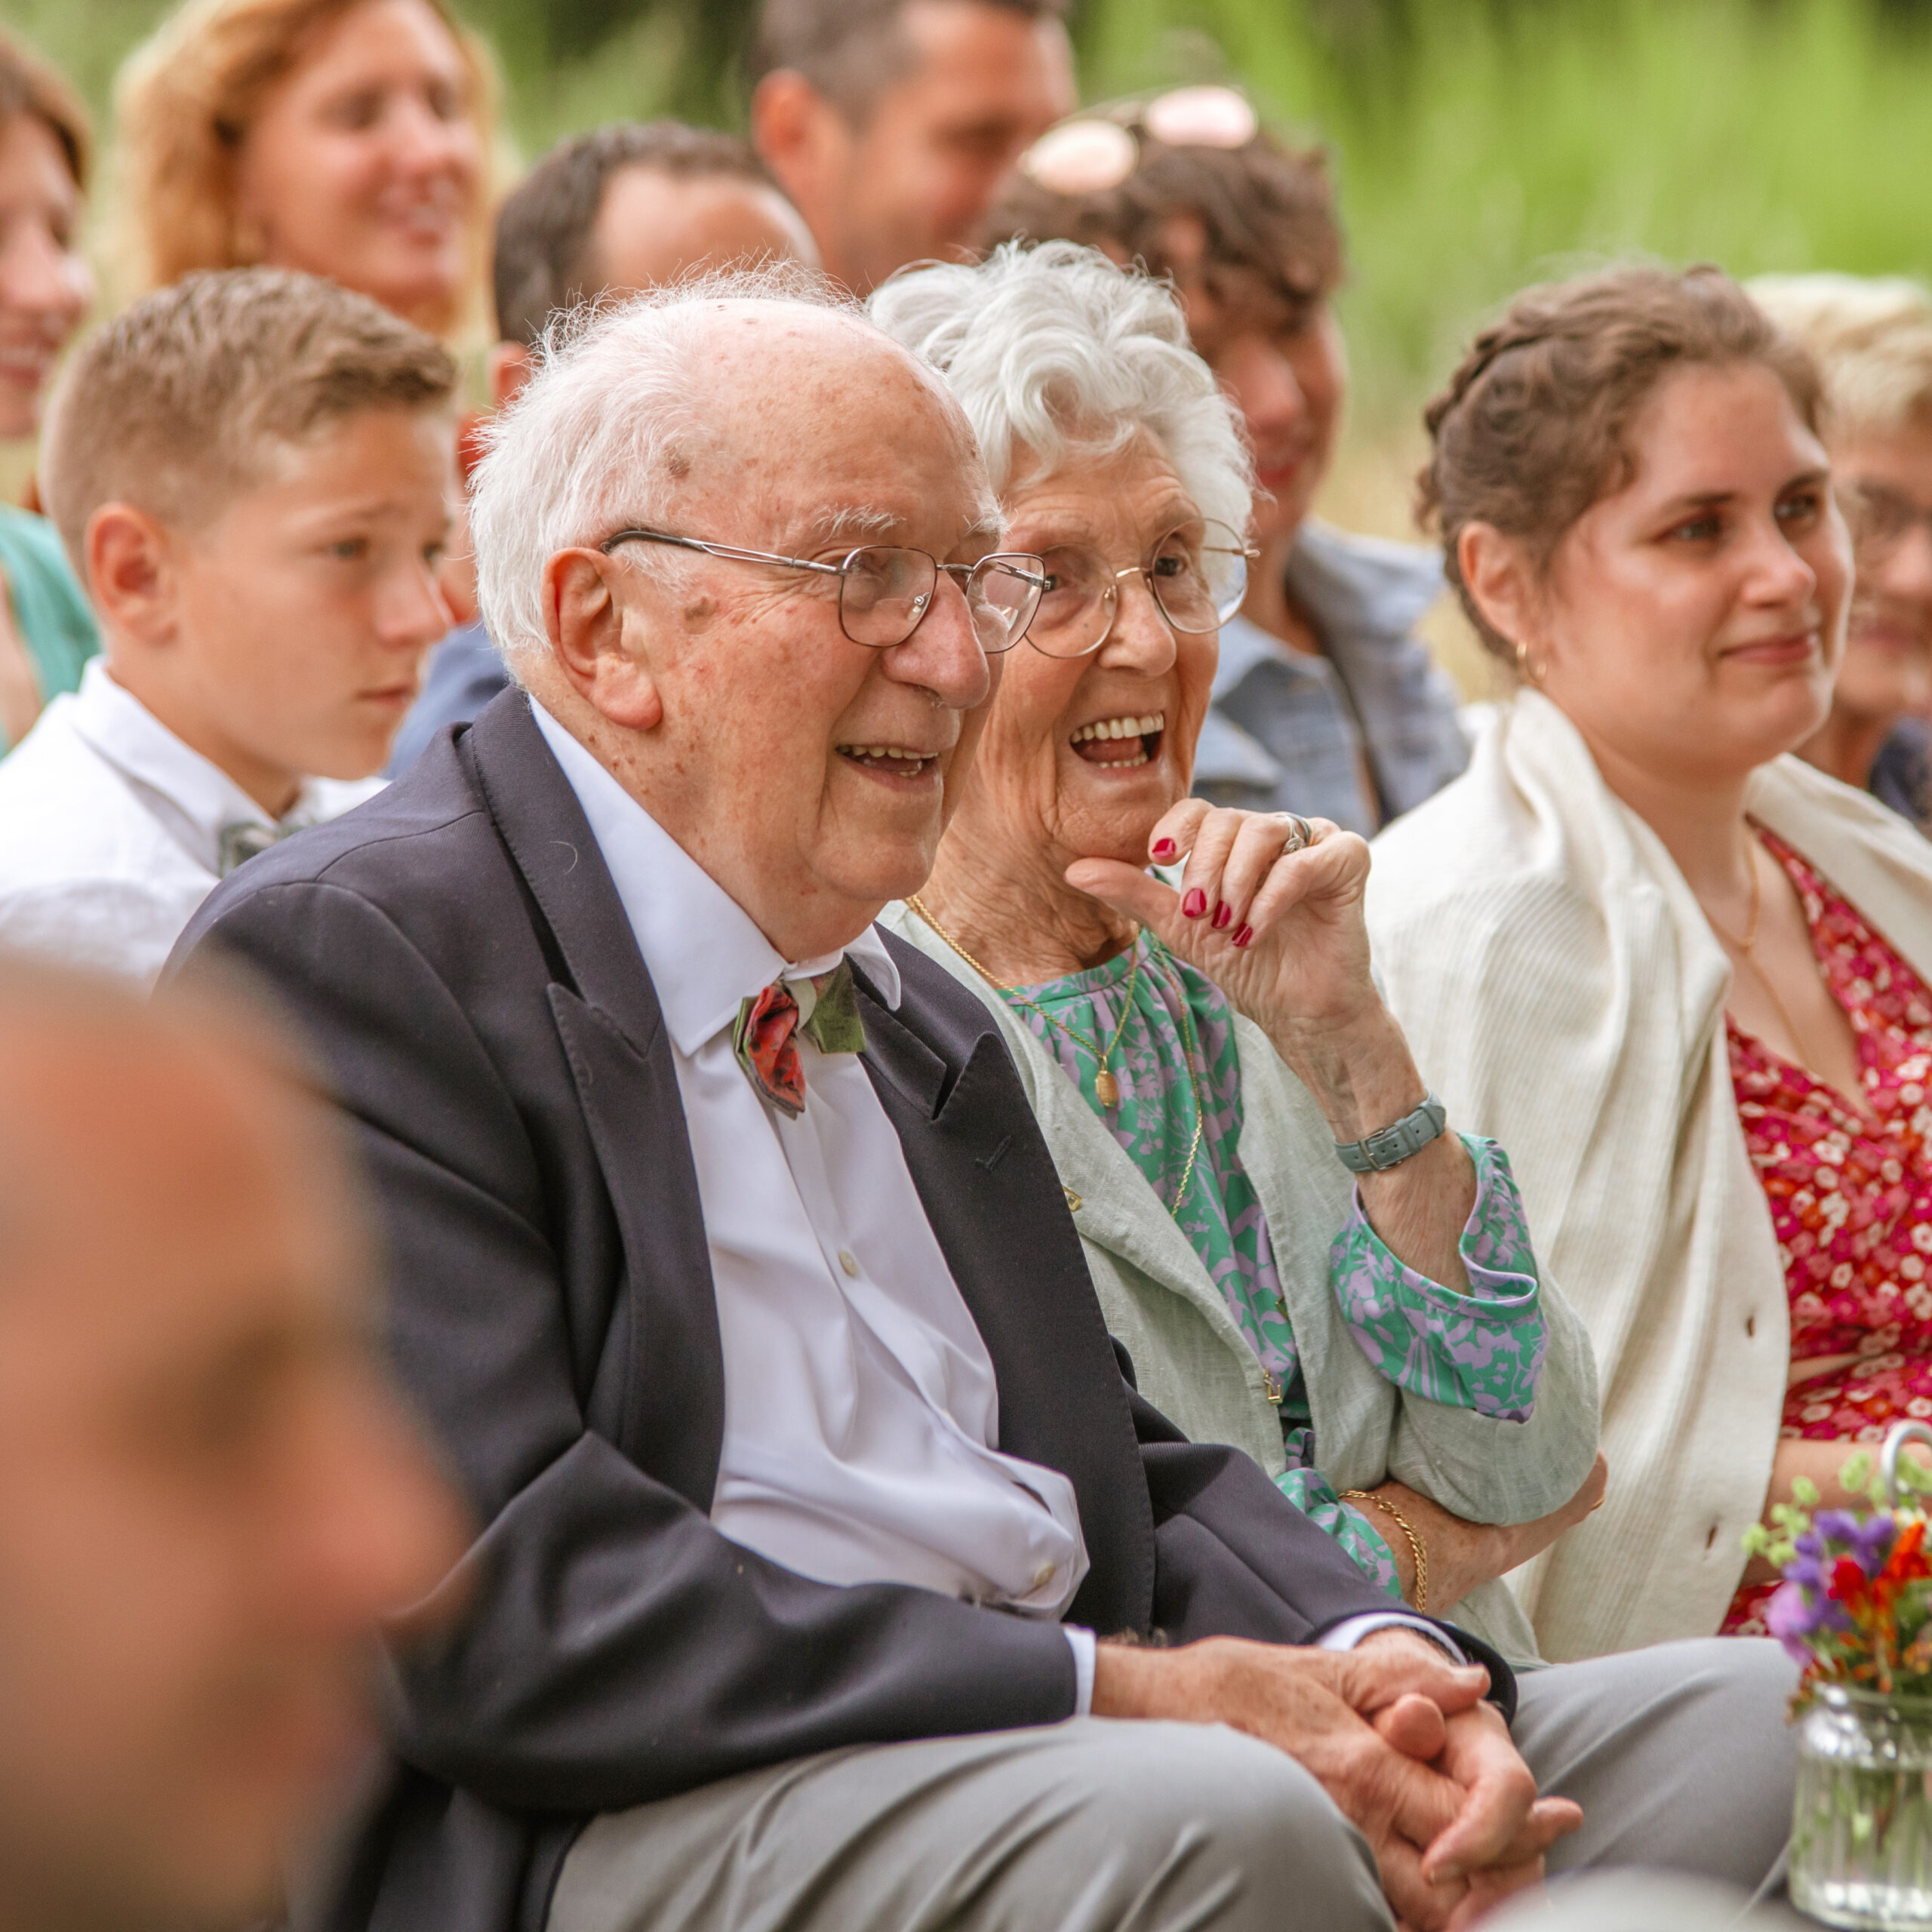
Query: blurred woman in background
column 1873, row 343
column 47, row 633
column 1686, row 978
column 1325, row 702
column 347, row 138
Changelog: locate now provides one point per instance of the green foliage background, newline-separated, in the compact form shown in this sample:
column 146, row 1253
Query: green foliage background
column 1478, row 144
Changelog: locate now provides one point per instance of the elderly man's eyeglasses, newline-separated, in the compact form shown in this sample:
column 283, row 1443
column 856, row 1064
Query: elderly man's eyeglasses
column 1881, row 518
column 1198, row 575
column 884, row 592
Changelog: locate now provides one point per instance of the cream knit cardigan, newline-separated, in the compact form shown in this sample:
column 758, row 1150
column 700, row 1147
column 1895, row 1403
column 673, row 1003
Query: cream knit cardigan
column 1563, row 992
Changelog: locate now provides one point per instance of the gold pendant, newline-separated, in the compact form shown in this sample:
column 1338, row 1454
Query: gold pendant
column 1106, row 1089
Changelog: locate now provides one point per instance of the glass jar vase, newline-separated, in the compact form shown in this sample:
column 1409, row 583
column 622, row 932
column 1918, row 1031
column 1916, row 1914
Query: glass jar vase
column 1861, row 1842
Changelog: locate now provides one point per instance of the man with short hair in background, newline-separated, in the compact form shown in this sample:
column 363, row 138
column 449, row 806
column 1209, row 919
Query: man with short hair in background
column 625, row 208
column 894, row 125
column 208, row 1498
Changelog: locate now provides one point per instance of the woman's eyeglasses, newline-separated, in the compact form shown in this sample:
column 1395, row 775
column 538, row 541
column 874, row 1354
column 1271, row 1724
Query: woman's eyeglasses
column 1198, row 575
column 884, row 591
column 1881, row 518
column 1100, row 150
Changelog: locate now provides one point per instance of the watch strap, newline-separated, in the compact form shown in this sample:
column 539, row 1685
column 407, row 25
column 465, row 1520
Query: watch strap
column 1390, row 1146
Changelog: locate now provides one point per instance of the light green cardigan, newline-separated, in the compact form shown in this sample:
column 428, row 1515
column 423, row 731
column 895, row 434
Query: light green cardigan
column 1192, row 1362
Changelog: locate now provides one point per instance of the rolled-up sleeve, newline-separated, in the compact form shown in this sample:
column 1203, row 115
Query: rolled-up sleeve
column 1482, row 1350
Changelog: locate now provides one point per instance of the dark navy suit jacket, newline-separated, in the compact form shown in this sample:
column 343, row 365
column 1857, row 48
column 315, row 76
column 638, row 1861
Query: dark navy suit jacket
column 459, row 960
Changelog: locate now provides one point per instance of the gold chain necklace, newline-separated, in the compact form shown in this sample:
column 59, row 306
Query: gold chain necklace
column 1745, row 947
column 1106, row 1089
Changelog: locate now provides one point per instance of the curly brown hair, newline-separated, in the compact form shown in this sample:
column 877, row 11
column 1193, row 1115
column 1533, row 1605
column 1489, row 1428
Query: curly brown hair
column 1265, row 211
column 1534, row 425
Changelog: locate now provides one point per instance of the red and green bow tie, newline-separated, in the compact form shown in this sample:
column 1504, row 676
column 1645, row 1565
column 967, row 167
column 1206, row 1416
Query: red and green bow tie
column 765, row 1037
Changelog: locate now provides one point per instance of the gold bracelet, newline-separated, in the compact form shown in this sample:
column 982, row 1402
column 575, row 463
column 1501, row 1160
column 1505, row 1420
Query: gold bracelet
column 1417, row 1548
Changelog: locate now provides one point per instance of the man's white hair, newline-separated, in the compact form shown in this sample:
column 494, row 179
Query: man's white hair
column 1054, row 352
column 613, row 415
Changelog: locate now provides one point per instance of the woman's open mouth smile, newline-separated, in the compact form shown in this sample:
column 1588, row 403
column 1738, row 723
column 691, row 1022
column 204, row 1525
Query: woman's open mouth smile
column 1120, row 742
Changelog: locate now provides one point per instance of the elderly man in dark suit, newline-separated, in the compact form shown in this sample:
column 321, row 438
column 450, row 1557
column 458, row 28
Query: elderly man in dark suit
column 831, row 1574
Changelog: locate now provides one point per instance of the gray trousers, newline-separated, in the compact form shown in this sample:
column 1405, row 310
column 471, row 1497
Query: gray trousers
column 1679, row 1756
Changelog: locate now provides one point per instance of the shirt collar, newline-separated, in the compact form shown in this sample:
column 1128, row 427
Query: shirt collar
column 701, row 948
column 118, row 725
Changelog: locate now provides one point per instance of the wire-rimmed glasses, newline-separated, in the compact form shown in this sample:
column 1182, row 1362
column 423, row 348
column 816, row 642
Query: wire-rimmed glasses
column 1881, row 517
column 1198, row 574
column 884, row 590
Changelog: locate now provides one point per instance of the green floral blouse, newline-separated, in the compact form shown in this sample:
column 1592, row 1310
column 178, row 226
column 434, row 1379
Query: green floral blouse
column 1481, row 1350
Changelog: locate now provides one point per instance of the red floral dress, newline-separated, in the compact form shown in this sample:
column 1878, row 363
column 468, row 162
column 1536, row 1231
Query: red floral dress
column 1851, row 1193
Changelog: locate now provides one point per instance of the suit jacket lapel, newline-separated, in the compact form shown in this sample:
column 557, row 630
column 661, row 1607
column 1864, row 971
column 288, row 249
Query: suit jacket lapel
column 659, row 1393
column 988, row 1185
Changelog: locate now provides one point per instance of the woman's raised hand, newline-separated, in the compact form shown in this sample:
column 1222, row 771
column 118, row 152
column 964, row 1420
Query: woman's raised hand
column 1280, row 930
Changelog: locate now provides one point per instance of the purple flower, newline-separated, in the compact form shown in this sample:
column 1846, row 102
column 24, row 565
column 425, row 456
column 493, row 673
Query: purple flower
column 1791, row 1617
column 1868, row 1538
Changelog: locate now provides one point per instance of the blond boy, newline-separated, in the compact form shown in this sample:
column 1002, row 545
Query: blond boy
column 252, row 473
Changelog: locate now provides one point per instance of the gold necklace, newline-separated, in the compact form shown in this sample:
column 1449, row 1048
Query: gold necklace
column 1745, row 946
column 1106, row 1089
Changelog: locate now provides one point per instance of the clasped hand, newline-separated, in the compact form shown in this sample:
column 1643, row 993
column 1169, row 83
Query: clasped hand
column 1398, row 1736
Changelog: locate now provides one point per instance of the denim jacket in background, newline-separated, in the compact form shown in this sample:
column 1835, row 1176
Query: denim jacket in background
column 1288, row 732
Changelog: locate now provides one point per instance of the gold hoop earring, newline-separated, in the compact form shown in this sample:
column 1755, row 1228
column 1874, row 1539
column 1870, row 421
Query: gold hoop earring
column 1525, row 669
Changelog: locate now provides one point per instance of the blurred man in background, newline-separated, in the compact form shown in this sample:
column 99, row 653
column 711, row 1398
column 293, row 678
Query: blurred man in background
column 622, row 208
column 894, row 125
column 208, row 1499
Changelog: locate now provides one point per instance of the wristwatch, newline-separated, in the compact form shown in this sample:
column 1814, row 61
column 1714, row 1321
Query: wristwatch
column 1392, row 1146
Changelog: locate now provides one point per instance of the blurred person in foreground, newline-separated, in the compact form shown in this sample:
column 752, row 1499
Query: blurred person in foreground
column 731, row 1266
column 1325, row 702
column 1873, row 341
column 626, row 208
column 345, row 138
column 892, row 124
column 252, row 472
column 209, row 1499
column 1164, row 1045
column 1685, row 977
column 46, row 632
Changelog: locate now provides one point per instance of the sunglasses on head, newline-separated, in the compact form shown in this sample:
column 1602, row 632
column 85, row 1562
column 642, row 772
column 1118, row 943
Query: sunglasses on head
column 1099, row 150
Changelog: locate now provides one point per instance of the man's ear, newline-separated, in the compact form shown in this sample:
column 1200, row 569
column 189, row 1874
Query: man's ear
column 131, row 571
column 606, row 662
column 790, row 128
column 512, row 366
column 1502, row 583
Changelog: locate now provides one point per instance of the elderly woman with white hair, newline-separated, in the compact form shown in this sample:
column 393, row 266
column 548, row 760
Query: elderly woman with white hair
column 1873, row 343
column 1209, row 1057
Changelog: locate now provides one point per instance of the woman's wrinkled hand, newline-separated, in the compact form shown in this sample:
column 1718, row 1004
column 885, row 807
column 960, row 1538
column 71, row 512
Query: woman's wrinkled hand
column 1280, row 933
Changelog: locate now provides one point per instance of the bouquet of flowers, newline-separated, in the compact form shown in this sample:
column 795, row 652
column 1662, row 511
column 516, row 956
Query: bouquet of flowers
column 1855, row 1606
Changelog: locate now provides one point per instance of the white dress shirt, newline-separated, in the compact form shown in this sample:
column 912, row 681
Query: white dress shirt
column 111, row 830
column 861, row 1411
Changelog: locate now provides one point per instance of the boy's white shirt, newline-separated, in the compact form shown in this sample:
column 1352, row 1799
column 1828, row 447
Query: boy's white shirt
column 111, row 830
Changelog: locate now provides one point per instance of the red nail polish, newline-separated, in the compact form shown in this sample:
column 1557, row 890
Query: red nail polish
column 1246, row 933
column 1195, row 904
column 1224, row 916
column 1165, row 848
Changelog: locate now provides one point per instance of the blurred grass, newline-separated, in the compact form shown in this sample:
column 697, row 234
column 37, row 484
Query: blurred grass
column 1478, row 144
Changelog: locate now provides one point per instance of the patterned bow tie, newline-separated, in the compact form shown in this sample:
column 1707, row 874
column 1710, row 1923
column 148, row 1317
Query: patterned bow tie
column 765, row 1039
column 247, row 840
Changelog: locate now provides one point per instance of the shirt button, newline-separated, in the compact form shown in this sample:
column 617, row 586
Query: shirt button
column 1043, row 1576
column 848, row 1261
